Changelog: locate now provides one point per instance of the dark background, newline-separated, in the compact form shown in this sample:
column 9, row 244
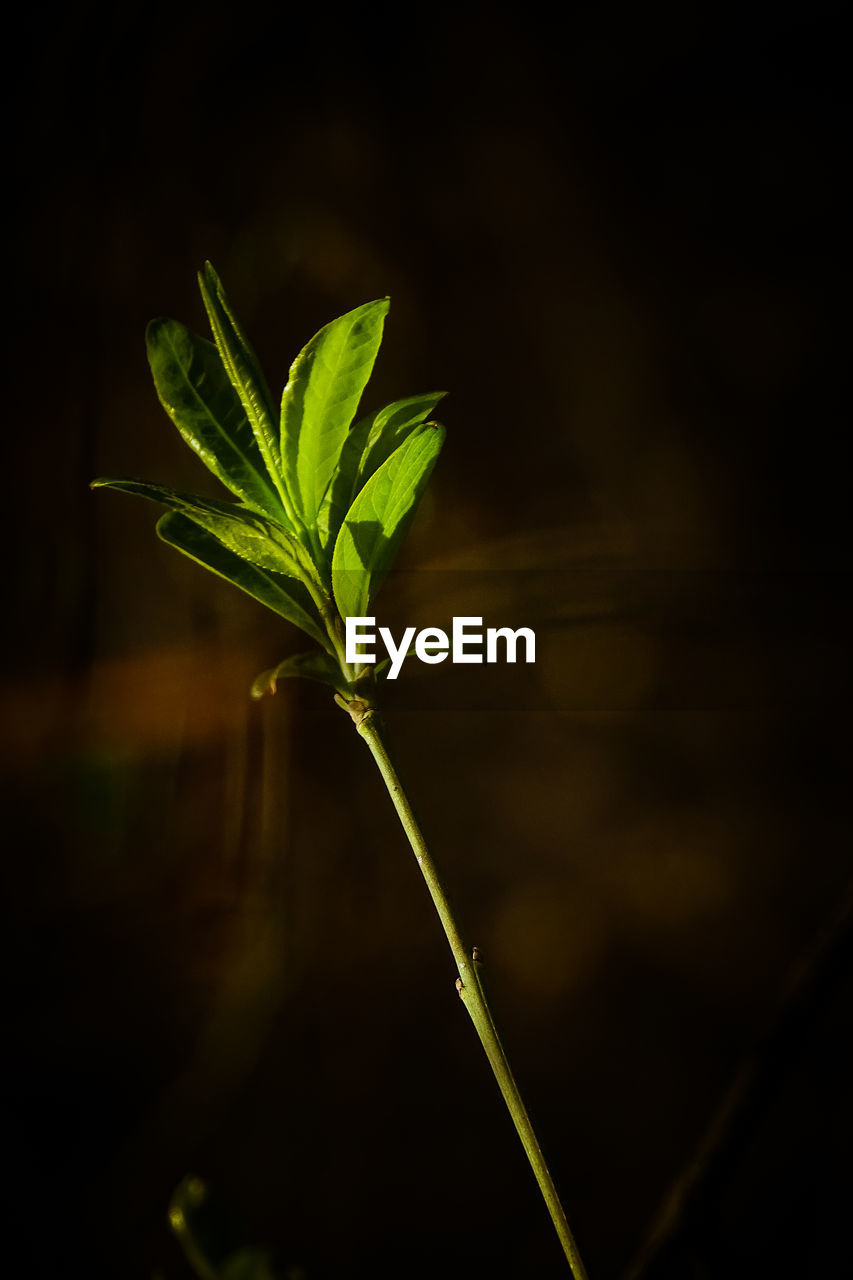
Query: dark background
column 617, row 243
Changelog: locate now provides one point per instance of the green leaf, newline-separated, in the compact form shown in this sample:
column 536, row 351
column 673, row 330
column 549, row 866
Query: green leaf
column 368, row 444
column 285, row 596
column 306, row 666
column 248, row 535
column 320, row 400
column 245, row 375
column 197, row 394
column 378, row 520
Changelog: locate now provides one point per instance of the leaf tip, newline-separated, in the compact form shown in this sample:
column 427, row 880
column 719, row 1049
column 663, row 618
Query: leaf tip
column 263, row 684
column 209, row 276
column 156, row 331
column 381, row 305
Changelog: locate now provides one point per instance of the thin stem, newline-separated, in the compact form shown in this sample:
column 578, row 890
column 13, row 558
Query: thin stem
column 338, row 645
column 331, row 622
column 469, row 984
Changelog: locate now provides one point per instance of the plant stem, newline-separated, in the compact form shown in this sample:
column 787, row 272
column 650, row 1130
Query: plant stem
column 331, row 622
column 469, row 984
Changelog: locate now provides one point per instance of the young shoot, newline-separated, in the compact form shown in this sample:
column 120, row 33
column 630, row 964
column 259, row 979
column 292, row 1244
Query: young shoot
column 320, row 502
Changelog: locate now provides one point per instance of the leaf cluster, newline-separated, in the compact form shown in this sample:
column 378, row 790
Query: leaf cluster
column 322, row 500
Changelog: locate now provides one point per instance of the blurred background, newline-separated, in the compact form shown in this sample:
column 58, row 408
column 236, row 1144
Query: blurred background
column 615, row 240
